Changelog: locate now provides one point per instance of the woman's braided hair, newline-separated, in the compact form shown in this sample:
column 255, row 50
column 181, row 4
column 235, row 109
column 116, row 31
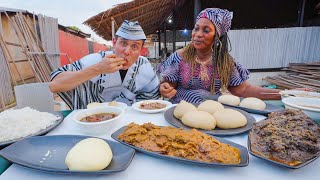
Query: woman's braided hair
column 223, row 63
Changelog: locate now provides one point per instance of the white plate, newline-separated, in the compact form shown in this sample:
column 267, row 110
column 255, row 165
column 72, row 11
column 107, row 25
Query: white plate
column 299, row 103
column 303, row 94
column 136, row 106
column 120, row 104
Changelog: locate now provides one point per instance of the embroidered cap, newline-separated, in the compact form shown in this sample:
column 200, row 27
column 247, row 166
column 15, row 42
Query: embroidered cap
column 131, row 31
column 220, row 18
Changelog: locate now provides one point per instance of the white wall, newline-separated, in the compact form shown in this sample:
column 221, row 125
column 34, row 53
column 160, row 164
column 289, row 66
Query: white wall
column 274, row 48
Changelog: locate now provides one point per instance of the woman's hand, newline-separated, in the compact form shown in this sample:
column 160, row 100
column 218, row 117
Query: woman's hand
column 167, row 90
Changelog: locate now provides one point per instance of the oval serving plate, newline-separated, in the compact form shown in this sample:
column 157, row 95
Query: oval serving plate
column 48, row 153
column 217, row 131
column 136, row 106
column 41, row 132
column 279, row 163
column 243, row 152
column 269, row 107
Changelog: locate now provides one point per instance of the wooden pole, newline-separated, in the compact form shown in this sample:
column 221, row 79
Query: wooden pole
column 301, row 12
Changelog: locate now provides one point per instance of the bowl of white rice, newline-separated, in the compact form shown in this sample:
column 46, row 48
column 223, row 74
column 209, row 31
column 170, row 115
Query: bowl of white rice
column 16, row 124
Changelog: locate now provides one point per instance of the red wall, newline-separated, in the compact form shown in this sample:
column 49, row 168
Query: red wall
column 99, row 47
column 144, row 52
column 75, row 46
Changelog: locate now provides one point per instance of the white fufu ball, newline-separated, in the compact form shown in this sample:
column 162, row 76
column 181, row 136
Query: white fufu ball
column 253, row 103
column 182, row 108
column 229, row 119
column 91, row 154
column 210, row 106
column 199, row 119
column 229, row 99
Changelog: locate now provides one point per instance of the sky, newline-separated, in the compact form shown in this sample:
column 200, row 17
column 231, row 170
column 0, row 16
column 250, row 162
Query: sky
column 68, row 12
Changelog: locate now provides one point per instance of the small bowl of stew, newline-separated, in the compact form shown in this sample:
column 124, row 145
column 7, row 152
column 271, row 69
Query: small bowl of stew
column 97, row 121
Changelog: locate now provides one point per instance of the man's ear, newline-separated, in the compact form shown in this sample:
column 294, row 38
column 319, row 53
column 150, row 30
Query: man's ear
column 114, row 40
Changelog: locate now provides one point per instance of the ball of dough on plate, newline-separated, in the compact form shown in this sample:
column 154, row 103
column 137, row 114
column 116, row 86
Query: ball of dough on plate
column 94, row 105
column 229, row 99
column 210, row 106
column 253, row 103
column 91, row 154
column 199, row 119
column 182, row 108
column 229, row 119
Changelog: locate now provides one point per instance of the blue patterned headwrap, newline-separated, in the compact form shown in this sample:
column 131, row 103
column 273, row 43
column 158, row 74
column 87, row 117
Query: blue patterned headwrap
column 220, row 18
column 131, row 31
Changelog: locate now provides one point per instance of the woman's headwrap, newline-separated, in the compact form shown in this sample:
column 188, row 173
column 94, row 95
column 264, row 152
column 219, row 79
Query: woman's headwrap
column 220, row 18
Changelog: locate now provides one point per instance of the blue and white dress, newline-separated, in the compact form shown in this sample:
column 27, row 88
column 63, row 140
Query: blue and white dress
column 191, row 88
column 140, row 83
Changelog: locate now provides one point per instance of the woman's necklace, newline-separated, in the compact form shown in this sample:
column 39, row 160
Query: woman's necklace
column 203, row 68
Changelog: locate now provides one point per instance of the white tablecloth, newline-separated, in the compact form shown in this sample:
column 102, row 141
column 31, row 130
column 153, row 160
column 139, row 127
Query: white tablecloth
column 148, row 167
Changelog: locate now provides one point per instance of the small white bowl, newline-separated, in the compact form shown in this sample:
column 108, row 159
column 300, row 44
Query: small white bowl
column 97, row 105
column 119, row 104
column 136, row 106
column 304, row 105
column 97, row 128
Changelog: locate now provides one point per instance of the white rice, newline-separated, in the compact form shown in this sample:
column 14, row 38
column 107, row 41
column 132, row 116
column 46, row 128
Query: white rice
column 18, row 123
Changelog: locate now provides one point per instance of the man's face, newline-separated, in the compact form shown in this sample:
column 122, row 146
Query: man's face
column 127, row 49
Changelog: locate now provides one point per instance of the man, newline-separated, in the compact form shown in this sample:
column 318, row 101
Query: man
column 101, row 77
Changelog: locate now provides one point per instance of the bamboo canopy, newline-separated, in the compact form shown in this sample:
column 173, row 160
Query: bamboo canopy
column 149, row 13
column 248, row 14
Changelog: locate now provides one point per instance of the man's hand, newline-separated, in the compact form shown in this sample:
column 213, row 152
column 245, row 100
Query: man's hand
column 110, row 64
column 167, row 90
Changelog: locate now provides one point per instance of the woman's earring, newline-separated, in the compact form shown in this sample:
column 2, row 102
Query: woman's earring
column 217, row 42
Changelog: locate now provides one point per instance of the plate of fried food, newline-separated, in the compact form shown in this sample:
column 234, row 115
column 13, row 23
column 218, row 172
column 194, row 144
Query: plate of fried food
column 70, row 154
column 151, row 106
column 210, row 117
column 250, row 104
column 289, row 139
column 186, row 146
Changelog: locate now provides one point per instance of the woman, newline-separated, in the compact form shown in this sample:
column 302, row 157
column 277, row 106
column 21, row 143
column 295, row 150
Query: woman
column 205, row 66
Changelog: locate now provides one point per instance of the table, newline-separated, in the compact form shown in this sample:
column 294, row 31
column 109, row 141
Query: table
column 148, row 167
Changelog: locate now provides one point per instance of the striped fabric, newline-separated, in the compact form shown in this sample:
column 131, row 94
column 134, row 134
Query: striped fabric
column 140, row 83
column 131, row 30
column 220, row 18
column 192, row 88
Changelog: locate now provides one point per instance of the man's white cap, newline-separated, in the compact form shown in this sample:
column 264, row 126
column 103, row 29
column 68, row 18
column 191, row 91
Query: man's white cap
column 131, row 31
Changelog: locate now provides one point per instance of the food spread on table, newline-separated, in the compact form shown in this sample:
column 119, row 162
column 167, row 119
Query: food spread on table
column 99, row 117
column 192, row 144
column 209, row 115
column 250, row 102
column 18, row 123
column 288, row 137
column 90, row 154
column 152, row 105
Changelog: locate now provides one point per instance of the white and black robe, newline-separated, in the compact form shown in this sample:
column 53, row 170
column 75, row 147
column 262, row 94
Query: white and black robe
column 140, row 83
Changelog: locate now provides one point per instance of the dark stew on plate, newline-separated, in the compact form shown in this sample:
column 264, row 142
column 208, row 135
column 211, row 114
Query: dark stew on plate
column 99, row 117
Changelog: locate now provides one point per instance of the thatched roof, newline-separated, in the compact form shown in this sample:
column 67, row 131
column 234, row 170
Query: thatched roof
column 248, row 14
column 149, row 13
